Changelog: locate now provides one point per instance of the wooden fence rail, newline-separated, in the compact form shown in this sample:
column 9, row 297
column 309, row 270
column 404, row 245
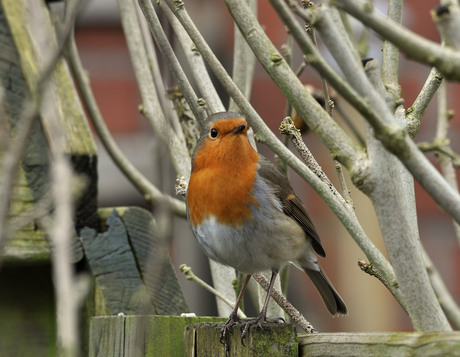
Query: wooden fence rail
column 178, row 336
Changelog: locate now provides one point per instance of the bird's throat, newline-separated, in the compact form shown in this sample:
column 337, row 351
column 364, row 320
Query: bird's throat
column 225, row 190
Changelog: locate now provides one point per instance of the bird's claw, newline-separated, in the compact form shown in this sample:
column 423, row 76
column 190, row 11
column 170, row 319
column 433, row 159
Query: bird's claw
column 259, row 322
column 247, row 323
column 225, row 332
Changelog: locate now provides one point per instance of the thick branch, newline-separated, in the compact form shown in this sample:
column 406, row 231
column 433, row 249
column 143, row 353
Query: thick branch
column 387, row 130
column 393, row 198
column 390, row 55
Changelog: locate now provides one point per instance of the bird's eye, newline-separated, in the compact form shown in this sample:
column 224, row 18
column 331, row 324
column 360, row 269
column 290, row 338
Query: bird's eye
column 213, row 133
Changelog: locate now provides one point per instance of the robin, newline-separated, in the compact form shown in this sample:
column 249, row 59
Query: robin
column 245, row 214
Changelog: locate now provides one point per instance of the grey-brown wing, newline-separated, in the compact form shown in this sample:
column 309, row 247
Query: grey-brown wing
column 292, row 206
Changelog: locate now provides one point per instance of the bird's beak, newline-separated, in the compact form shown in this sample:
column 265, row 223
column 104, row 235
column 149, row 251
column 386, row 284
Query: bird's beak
column 239, row 129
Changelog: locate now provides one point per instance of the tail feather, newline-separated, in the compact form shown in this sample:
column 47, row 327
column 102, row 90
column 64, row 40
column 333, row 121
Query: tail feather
column 330, row 296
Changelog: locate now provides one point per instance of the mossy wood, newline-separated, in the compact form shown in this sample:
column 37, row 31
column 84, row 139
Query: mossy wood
column 131, row 265
column 28, row 37
column 135, row 336
column 395, row 344
column 203, row 339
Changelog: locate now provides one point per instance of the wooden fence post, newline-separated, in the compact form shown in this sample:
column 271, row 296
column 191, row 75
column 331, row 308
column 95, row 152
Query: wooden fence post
column 203, row 339
column 136, row 336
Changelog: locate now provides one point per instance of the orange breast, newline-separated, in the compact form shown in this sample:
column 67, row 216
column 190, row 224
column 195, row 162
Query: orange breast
column 221, row 183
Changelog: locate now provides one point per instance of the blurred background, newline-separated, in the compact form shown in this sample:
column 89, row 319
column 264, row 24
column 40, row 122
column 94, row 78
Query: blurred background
column 104, row 53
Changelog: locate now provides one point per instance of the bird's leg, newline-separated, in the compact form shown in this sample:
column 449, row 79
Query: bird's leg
column 263, row 313
column 233, row 318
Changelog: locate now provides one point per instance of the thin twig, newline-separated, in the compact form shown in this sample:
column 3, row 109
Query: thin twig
column 441, row 148
column 191, row 276
column 313, row 57
column 186, row 118
column 447, row 18
column 346, row 193
column 416, row 111
column 445, row 298
column 295, row 314
column 288, row 128
column 368, row 268
column 329, row 106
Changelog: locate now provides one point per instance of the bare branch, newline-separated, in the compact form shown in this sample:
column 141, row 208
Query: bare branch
column 150, row 192
column 446, row 60
column 445, row 299
column 386, row 129
column 199, row 71
column 447, row 19
column 445, row 161
column 285, row 305
column 416, row 111
column 151, row 106
column 394, row 203
column 166, row 105
column 390, row 55
column 373, row 271
column 243, row 62
column 171, row 59
column 191, row 276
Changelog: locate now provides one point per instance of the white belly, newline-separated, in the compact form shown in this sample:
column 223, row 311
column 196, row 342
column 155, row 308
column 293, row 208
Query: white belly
column 254, row 247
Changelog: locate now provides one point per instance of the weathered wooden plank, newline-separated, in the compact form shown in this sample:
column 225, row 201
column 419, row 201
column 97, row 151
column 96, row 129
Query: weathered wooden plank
column 393, row 344
column 203, row 339
column 29, row 243
column 106, row 336
column 153, row 259
column 127, row 336
column 114, row 267
column 35, row 43
column 28, row 38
